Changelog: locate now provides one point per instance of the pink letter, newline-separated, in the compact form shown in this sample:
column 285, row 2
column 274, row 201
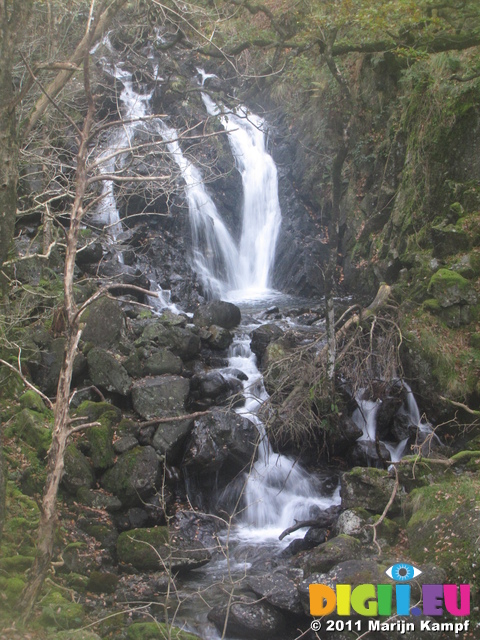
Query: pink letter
column 451, row 599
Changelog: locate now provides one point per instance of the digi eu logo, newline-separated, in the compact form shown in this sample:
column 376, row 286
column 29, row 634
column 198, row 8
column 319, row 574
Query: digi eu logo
column 377, row 600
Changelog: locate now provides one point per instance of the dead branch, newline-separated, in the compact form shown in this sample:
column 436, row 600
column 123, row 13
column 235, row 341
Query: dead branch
column 385, row 511
column 185, row 416
column 299, row 525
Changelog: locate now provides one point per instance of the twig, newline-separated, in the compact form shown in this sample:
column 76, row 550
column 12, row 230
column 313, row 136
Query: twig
column 385, row 511
column 185, row 416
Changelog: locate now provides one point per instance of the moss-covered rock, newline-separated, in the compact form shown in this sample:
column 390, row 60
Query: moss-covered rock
column 102, row 582
column 104, row 323
column 151, row 549
column 369, row 488
column 134, row 476
column 16, row 564
column 31, row 400
column 33, row 428
column 78, row 471
column 157, row 631
column 444, row 527
column 60, row 613
column 152, row 397
column 94, row 411
column 450, row 288
column 327, row 555
column 163, row 361
column 107, row 372
column 101, row 451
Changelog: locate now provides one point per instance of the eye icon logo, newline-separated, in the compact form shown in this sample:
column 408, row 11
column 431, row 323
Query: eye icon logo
column 402, row 572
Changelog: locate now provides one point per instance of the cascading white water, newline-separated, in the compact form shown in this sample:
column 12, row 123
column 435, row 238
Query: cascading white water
column 278, row 491
column 215, row 254
column 365, row 416
column 261, row 215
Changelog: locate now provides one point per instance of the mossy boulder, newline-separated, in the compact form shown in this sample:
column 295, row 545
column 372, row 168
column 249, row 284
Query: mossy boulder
column 369, row 488
column 78, row 470
column 32, row 428
column 448, row 240
column 157, row 631
column 327, row 555
column 16, row 564
column 134, row 476
column 31, row 400
column 219, row 337
column 12, row 588
column 107, row 372
column 101, row 451
column 102, row 582
column 450, row 288
column 61, row 613
column 152, row 549
column 181, row 341
column 94, row 411
column 444, row 527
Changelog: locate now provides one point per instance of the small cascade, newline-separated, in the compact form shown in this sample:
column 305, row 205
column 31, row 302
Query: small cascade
column 278, row 490
column 112, row 158
column 396, row 451
column 261, row 216
column 411, row 410
column 365, row 416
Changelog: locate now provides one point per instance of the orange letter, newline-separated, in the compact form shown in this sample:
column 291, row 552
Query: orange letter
column 322, row 599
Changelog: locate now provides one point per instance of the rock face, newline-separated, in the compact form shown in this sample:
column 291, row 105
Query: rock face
column 218, row 312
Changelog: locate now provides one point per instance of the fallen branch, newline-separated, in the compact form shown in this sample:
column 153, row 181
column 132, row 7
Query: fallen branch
column 300, row 525
column 460, row 405
column 385, row 511
column 185, row 416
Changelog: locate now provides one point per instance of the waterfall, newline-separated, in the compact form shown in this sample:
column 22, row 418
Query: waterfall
column 278, row 490
column 365, row 416
column 261, row 215
column 215, row 256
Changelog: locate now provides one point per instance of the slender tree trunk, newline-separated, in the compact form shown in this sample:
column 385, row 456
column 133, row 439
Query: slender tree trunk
column 62, row 427
column 3, row 480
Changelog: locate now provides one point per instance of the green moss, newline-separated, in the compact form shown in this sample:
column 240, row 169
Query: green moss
column 16, row 564
column 432, row 305
column 13, row 588
column 157, row 631
column 466, row 460
column 139, row 547
column 100, row 582
column 445, row 279
column 107, row 413
column 60, row 613
column 31, row 400
column 101, row 453
column 32, row 427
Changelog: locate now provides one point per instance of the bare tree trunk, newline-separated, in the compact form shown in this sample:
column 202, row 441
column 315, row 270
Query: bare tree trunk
column 2, row 483
column 62, row 425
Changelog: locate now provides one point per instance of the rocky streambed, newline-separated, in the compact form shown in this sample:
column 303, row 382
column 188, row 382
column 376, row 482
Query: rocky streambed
column 173, row 505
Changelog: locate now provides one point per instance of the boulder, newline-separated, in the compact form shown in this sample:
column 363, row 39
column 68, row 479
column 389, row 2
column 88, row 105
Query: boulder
column 219, row 338
column 134, row 476
column 213, row 388
column 170, row 438
column 32, row 428
column 151, row 549
column 262, row 336
column 369, row 488
column 154, row 397
column 450, row 288
column 279, row 589
column 163, row 361
column 46, row 372
column 78, row 471
column 104, row 323
column 101, row 451
column 217, row 312
column 248, row 619
column 327, row 555
column 107, row 372
column 221, row 439
column 181, row 341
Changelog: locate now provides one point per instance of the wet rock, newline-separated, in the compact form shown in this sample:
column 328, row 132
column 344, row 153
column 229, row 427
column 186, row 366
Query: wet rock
column 219, row 337
column 371, row 488
column 365, row 453
column 78, row 471
column 352, row 523
column 261, row 338
column 327, row 555
column 107, row 372
column 279, row 589
column 170, row 438
column 163, row 361
column 249, row 619
column 217, row 312
column 315, row 536
column 346, row 434
column 212, row 388
column 134, row 476
column 123, row 274
column 221, row 439
column 104, row 323
column 152, row 397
